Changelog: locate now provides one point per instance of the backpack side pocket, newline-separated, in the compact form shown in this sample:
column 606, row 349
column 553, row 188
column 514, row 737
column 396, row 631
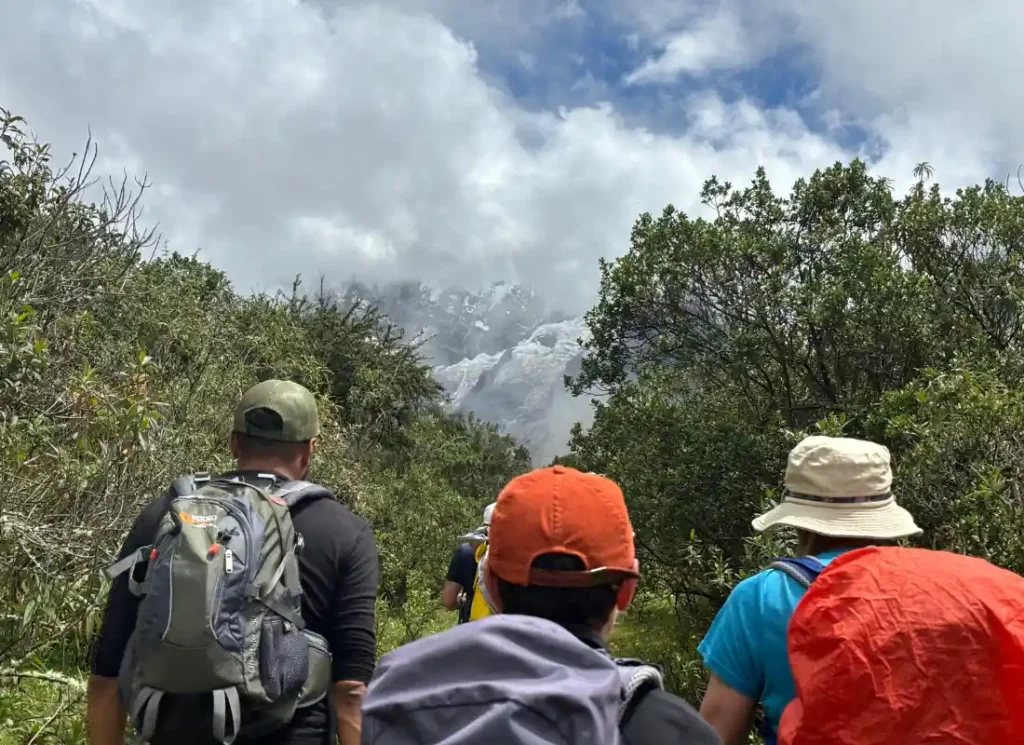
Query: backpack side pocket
column 284, row 657
column 318, row 682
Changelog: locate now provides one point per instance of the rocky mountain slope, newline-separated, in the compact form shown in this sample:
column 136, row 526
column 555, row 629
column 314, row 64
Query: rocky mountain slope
column 500, row 353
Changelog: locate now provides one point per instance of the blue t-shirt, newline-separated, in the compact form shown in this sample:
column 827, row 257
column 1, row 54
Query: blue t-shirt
column 462, row 571
column 746, row 644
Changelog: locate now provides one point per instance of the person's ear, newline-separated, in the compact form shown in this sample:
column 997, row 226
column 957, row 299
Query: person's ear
column 627, row 590
column 236, row 451
column 493, row 597
column 306, row 455
column 805, row 541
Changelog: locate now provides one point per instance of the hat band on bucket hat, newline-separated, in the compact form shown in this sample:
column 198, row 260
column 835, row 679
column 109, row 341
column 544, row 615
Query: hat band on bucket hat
column 840, row 487
column 869, row 517
column 791, row 496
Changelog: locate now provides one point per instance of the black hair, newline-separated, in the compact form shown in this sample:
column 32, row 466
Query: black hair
column 816, row 543
column 566, row 606
column 250, row 446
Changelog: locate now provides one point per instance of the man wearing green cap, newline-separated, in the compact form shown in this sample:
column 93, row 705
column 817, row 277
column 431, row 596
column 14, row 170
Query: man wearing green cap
column 273, row 440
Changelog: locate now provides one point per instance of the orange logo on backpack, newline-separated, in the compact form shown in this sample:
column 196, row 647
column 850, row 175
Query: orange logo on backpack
column 202, row 521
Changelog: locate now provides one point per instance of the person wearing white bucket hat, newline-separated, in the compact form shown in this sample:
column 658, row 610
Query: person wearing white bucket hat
column 842, row 488
column 838, row 496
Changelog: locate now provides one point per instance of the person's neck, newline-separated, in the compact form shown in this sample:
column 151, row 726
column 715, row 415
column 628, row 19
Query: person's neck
column 605, row 631
column 819, row 544
column 269, row 465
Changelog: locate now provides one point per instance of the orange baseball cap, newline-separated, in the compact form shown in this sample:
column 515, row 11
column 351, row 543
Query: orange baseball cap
column 561, row 510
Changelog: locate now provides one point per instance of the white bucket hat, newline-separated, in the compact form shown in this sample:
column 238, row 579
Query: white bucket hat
column 840, row 487
column 478, row 536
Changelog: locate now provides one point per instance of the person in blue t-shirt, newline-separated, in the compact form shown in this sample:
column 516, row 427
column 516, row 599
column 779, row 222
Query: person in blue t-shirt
column 838, row 497
column 462, row 569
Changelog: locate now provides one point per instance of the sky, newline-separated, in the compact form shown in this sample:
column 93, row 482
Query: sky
column 461, row 142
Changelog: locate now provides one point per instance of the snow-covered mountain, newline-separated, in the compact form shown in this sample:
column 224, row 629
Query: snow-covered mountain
column 500, row 352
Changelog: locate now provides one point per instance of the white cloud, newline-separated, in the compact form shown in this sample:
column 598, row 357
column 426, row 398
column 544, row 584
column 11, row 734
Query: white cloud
column 363, row 145
column 713, row 42
column 933, row 80
column 569, row 9
column 362, row 140
column 939, row 79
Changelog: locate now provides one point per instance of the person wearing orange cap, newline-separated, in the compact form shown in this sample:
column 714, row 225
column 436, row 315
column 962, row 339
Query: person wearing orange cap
column 559, row 569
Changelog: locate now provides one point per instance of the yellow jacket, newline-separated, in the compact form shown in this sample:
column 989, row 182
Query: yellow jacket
column 479, row 607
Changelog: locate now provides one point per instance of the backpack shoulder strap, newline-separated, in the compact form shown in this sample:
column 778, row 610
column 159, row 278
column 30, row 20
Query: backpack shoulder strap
column 185, row 486
column 637, row 678
column 296, row 492
column 804, row 569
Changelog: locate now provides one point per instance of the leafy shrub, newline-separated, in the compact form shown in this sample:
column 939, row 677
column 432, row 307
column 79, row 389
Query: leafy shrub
column 717, row 344
column 119, row 372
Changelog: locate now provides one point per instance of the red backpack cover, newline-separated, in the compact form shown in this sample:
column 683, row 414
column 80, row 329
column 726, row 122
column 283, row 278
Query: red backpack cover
column 898, row 646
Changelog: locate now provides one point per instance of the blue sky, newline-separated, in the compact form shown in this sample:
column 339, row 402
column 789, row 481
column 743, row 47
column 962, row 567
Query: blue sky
column 589, row 60
column 467, row 141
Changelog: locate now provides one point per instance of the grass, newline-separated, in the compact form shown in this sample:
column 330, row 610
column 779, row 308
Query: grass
column 43, row 710
column 650, row 630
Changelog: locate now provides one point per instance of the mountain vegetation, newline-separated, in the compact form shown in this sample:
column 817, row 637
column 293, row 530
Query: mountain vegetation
column 842, row 309
column 715, row 345
column 119, row 369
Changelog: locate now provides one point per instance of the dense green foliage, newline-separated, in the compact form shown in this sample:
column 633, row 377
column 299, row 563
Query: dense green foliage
column 118, row 372
column 717, row 344
column 720, row 342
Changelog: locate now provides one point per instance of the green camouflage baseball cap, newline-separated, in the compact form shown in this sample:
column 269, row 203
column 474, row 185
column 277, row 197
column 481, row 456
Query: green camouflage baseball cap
column 278, row 410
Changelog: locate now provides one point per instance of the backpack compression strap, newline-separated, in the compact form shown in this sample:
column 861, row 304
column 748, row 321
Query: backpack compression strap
column 226, row 705
column 804, row 569
column 128, row 564
column 291, row 493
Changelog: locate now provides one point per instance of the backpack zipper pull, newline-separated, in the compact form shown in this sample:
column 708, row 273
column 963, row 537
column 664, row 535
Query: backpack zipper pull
column 229, row 561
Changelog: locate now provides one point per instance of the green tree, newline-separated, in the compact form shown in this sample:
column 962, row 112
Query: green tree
column 118, row 372
column 717, row 343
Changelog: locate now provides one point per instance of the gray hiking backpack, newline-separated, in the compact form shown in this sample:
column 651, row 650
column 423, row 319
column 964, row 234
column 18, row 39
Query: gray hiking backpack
column 220, row 611
column 502, row 680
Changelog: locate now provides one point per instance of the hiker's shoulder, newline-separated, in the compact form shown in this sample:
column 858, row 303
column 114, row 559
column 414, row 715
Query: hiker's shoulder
column 661, row 717
column 148, row 518
column 330, row 507
column 751, row 590
column 748, row 601
column 328, row 520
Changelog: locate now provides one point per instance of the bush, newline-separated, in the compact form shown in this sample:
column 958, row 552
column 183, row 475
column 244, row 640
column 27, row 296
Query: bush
column 718, row 344
column 120, row 373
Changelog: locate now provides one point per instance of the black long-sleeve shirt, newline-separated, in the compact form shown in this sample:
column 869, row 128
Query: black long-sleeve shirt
column 339, row 573
column 657, row 716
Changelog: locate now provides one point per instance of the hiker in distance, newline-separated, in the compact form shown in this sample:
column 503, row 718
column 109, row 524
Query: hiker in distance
column 838, row 497
column 460, row 582
column 559, row 569
column 242, row 605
